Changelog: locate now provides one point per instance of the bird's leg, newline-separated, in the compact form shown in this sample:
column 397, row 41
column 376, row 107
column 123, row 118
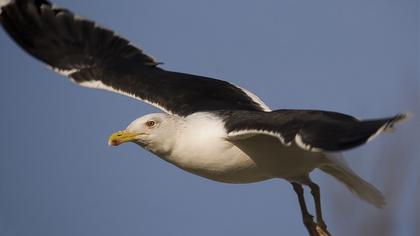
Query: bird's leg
column 306, row 217
column 317, row 199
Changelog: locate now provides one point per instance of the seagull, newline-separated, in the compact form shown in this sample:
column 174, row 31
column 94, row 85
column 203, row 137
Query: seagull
column 208, row 127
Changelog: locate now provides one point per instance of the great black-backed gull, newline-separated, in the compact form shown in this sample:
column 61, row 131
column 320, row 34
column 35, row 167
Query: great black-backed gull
column 210, row 127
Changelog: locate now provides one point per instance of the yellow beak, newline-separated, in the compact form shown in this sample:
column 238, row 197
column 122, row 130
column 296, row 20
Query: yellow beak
column 121, row 136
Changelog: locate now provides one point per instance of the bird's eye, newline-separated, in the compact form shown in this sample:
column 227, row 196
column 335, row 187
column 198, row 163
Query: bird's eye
column 150, row 123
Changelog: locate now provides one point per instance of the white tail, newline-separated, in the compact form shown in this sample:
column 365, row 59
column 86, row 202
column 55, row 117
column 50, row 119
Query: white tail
column 364, row 190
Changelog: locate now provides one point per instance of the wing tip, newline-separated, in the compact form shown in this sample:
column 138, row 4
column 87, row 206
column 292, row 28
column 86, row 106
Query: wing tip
column 397, row 119
column 403, row 117
column 389, row 125
column 5, row 3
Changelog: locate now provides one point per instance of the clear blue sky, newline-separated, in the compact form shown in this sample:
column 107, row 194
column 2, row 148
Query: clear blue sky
column 58, row 176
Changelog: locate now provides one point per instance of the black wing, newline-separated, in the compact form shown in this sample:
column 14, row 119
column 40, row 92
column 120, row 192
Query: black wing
column 95, row 57
column 310, row 129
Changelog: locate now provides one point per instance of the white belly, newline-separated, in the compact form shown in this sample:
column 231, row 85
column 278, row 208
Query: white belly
column 231, row 166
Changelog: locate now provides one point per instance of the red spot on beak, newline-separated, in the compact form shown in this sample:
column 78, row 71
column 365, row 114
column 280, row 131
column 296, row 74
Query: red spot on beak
column 113, row 142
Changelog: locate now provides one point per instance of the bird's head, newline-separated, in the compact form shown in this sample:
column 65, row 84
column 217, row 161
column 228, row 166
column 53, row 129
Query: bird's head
column 147, row 131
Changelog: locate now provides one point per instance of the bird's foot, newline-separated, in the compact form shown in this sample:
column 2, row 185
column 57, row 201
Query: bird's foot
column 322, row 228
column 315, row 229
column 322, row 231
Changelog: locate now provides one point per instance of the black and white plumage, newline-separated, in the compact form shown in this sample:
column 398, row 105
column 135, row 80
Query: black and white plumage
column 210, row 127
column 95, row 57
column 309, row 129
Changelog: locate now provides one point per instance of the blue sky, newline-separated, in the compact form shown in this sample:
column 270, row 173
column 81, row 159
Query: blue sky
column 59, row 177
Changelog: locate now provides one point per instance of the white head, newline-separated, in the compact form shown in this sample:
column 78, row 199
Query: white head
column 155, row 132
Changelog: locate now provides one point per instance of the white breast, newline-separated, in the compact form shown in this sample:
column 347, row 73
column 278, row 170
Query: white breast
column 201, row 148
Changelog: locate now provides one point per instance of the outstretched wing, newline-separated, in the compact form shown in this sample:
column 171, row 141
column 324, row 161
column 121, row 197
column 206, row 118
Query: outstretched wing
column 309, row 129
column 95, row 57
